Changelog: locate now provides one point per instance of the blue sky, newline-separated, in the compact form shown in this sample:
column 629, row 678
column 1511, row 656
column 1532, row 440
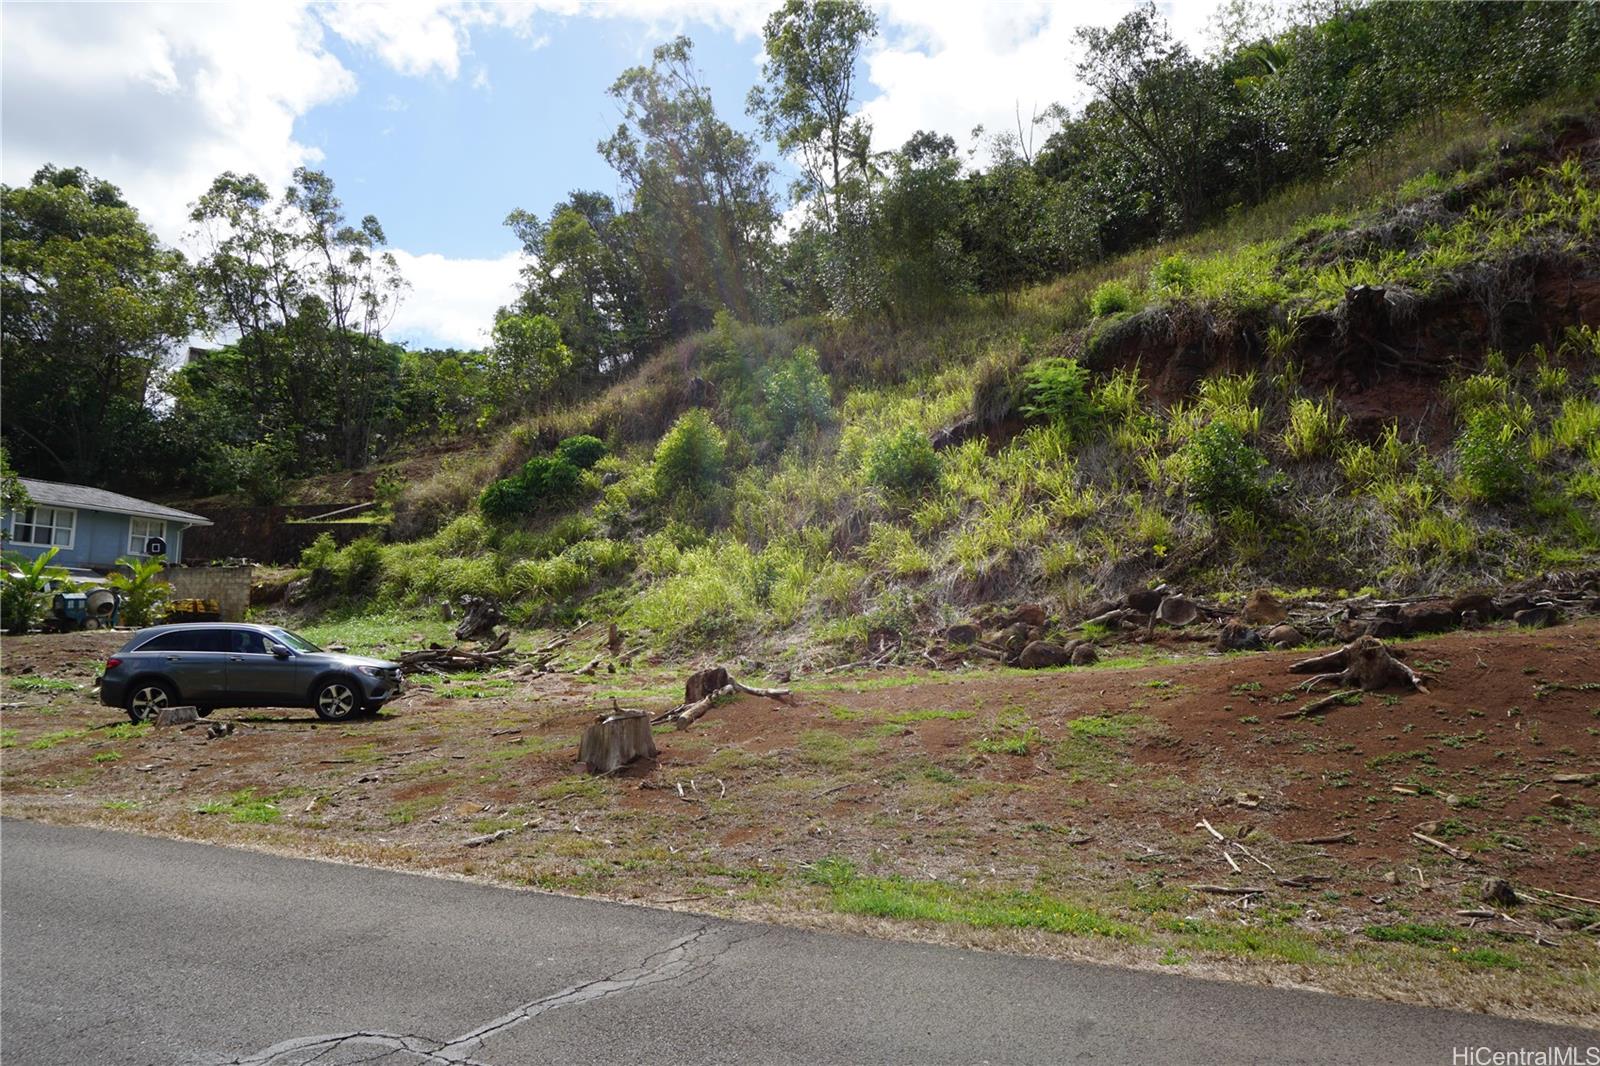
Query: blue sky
column 441, row 161
column 440, row 116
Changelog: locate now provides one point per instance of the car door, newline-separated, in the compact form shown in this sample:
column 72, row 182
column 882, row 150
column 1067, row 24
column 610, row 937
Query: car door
column 196, row 662
column 256, row 677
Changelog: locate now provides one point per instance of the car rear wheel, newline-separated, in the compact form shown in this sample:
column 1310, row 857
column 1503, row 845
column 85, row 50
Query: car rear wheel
column 338, row 699
column 147, row 699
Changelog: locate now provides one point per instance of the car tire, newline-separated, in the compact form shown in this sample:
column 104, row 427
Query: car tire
column 204, row 712
column 338, row 699
column 146, row 699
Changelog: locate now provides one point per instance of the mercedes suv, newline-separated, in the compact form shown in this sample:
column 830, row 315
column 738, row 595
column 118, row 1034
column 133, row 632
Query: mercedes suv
column 210, row 665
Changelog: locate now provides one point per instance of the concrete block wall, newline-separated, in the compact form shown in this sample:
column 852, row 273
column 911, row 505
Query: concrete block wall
column 228, row 585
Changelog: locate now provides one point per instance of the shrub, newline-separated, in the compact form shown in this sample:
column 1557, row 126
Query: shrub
column 690, row 457
column 582, row 451
column 1173, row 276
column 1058, row 391
column 797, row 393
column 902, row 462
column 1493, row 455
column 1314, row 428
column 545, row 482
column 1222, row 470
column 1111, row 297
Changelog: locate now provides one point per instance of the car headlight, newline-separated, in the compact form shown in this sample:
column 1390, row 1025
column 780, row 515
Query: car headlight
column 371, row 671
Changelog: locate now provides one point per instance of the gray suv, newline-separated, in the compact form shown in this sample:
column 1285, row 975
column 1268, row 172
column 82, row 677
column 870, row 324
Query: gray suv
column 209, row 665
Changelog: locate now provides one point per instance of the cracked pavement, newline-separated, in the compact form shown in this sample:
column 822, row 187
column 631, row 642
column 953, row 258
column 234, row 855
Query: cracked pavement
column 124, row 949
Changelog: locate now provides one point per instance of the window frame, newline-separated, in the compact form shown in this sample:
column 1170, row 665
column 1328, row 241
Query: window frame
column 140, row 552
column 17, row 518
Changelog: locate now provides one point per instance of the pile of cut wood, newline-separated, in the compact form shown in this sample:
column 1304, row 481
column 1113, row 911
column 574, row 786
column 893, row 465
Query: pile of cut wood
column 437, row 659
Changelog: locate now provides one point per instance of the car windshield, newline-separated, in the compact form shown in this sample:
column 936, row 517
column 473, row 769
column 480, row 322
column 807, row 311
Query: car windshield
column 294, row 640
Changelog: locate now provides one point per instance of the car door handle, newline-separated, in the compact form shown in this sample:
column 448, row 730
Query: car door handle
column 236, row 658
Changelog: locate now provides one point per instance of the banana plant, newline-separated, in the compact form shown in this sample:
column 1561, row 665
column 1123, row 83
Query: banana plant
column 26, row 583
column 143, row 591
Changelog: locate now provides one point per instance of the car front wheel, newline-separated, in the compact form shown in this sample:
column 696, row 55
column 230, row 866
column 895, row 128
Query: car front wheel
column 337, row 700
column 147, row 699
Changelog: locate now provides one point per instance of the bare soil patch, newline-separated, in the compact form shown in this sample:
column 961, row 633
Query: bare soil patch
column 1055, row 812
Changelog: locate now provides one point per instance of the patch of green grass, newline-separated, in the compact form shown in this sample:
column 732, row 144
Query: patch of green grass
column 42, row 684
column 50, row 740
column 244, row 807
column 936, row 901
column 8, row 738
column 120, row 805
column 574, row 786
column 1488, row 959
column 1415, row 933
column 908, row 717
column 1118, row 726
column 128, row 730
column 107, row 756
column 832, row 751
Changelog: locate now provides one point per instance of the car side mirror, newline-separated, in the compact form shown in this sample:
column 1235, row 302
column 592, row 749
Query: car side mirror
column 279, row 651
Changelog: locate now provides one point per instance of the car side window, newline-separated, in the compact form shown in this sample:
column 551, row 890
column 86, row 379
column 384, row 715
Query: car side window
column 246, row 642
column 209, row 640
column 165, row 642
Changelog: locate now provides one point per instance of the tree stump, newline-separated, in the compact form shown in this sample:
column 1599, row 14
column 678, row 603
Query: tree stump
column 1364, row 664
column 170, row 716
column 704, row 683
column 478, row 617
column 616, row 740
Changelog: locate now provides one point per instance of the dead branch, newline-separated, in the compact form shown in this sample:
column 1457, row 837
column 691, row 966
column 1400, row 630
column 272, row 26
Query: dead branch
column 1324, row 703
column 1229, row 890
column 1334, row 838
column 1454, row 853
column 768, row 693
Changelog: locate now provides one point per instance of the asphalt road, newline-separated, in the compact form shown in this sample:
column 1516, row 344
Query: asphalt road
column 124, row 949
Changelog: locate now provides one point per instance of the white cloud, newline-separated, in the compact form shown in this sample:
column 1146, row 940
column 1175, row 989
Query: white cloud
column 951, row 65
column 160, row 100
column 452, row 301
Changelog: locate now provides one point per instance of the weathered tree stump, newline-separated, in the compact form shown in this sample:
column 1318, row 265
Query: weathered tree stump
column 478, row 617
column 616, row 740
column 704, row 683
column 1364, row 663
column 169, row 716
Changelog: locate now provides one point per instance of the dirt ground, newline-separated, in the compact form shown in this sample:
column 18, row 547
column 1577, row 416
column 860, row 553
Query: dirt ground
column 1065, row 812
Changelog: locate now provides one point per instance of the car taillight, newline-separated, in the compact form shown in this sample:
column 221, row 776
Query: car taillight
column 112, row 664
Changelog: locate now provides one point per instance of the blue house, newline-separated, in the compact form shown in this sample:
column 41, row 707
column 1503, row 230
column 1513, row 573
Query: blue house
column 92, row 528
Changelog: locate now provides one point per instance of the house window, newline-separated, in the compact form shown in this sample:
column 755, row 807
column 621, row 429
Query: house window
column 43, row 526
column 141, row 530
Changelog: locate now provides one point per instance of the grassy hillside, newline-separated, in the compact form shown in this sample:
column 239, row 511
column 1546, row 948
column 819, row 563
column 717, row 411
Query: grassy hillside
column 1388, row 380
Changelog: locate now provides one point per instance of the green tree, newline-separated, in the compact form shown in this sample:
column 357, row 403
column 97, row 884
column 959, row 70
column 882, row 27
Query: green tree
column 528, row 356
column 700, row 192
column 806, row 98
column 90, row 302
column 1163, row 102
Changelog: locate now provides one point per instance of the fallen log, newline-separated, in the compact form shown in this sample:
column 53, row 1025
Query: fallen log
column 1229, row 890
column 705, row 687
column 687, row 716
